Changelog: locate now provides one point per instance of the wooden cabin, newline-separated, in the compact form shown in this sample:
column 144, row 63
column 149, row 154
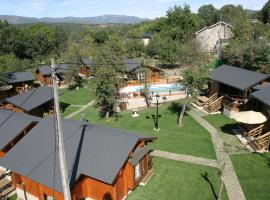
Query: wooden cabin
column 44, row 74
column 20, row 81
column 235, row 85
column 137, row 75
column 86, row 69
column 36, row 102
column 262, row 100
column 103, row 163
column 14, row 126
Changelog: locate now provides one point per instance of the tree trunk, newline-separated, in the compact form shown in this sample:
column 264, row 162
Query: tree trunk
column 146, row 97
column 182, row 112
column 107, row 114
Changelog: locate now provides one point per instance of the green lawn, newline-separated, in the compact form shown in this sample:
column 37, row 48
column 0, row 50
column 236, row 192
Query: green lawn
column 76, row 97
column 221, row 122
column 253, row 171
column 14, row 197
column 177, row 180
column 68, row 110
column 226, row 125
column 191, row 139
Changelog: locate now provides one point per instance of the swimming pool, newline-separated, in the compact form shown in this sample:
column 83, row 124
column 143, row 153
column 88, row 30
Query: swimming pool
column 158, row 88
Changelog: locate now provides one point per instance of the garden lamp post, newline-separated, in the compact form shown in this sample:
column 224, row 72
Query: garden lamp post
column 156, row 116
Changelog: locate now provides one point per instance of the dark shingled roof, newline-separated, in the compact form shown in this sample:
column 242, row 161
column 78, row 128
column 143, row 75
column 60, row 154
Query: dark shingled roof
column 46, row 69
column 11, row 125
column 237, row 77
column 138, row 154
column 95, row 151
column 17, row 77
column 130, row 64
column 263, row 95
column 32, row 98
column 87, row 61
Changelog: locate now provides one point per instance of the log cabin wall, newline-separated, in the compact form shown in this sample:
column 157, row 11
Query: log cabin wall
column 85, row 71
column 214, row 88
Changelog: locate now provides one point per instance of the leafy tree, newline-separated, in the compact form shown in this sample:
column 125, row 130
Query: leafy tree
column 154, row 47
column 134, row 47
column 193, row 78
column 265, row 13
column 209, row 14
column 181, row 23
column 108, row 73
column 231, row 13
column 101, row 36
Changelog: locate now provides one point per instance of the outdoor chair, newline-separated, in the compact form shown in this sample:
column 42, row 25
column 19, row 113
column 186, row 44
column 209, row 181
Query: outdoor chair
column 261, row 142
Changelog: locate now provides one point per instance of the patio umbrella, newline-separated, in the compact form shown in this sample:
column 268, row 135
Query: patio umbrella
column 250, row 117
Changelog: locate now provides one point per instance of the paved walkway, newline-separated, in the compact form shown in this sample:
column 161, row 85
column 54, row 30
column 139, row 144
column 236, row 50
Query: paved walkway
column 229, row 176
column 186, row 158
column 80, row 110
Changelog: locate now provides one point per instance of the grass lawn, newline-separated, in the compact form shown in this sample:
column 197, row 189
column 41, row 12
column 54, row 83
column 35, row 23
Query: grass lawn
column 191, row 139
column 221, row 122
column 253, row 171
column 14, row 197
column 68, row 110
column 76, row 97
column 177, row 180
column 226, row 125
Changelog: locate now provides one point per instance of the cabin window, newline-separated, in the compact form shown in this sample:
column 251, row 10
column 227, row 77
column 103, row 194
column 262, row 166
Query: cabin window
column 47, row 197
column 141, row 76
column 137, row 171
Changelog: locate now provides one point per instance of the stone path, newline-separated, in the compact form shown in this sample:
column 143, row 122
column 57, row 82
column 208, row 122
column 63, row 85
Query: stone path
column 229, row 176
column 80, row 110
column 186, row 158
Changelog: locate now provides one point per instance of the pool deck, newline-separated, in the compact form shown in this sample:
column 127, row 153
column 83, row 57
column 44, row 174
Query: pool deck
column 138, row 103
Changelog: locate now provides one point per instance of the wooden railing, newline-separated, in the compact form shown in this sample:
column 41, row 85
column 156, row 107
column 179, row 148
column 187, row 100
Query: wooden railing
column 214, row 106
column 261, row 143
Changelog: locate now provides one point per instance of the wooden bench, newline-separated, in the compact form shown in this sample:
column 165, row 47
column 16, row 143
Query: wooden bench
column 261, row 142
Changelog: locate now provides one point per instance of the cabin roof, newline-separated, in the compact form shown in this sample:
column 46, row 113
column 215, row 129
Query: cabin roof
column 46, row 69
column 11, row 125
column 138, row 154
column 147, row 35
column 216, row 24
column 87, row 61
column 131, row 64
column 237, row 77
column 32, row 98
column 263, row 95
column 17, row 77
column 92, row 150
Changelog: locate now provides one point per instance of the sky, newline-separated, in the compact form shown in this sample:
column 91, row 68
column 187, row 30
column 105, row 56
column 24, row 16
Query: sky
column 87, row 8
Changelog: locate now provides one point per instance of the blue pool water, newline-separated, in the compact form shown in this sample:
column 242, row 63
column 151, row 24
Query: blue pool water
column 158, row 88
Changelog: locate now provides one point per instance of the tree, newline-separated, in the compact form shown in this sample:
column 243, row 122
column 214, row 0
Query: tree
column 193, row 78
column 181, row 23
column 101, row 36
column 231, row 14
column 265, row 13
column 134, row 47
column 209, row 14
column 108, row 74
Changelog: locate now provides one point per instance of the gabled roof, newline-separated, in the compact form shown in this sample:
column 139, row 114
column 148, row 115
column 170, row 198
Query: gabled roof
column 216, row 24
column 147, row 35
column 46, row 69
column 17, row 77
column 131, row 64
column 95, row 151
column 237, row 77
column 263, row 95
column 11, row 125
column 32, row 98
column 87, row 61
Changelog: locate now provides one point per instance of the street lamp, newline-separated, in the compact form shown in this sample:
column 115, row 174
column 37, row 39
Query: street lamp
column 156, row 116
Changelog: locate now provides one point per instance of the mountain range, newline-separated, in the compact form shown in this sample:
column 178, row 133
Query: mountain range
column 103, row 19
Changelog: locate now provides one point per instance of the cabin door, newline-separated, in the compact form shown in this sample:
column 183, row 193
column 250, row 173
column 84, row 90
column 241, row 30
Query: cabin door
column 120, row 187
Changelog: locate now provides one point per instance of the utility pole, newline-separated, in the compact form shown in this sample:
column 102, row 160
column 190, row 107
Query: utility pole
column 61, row 148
